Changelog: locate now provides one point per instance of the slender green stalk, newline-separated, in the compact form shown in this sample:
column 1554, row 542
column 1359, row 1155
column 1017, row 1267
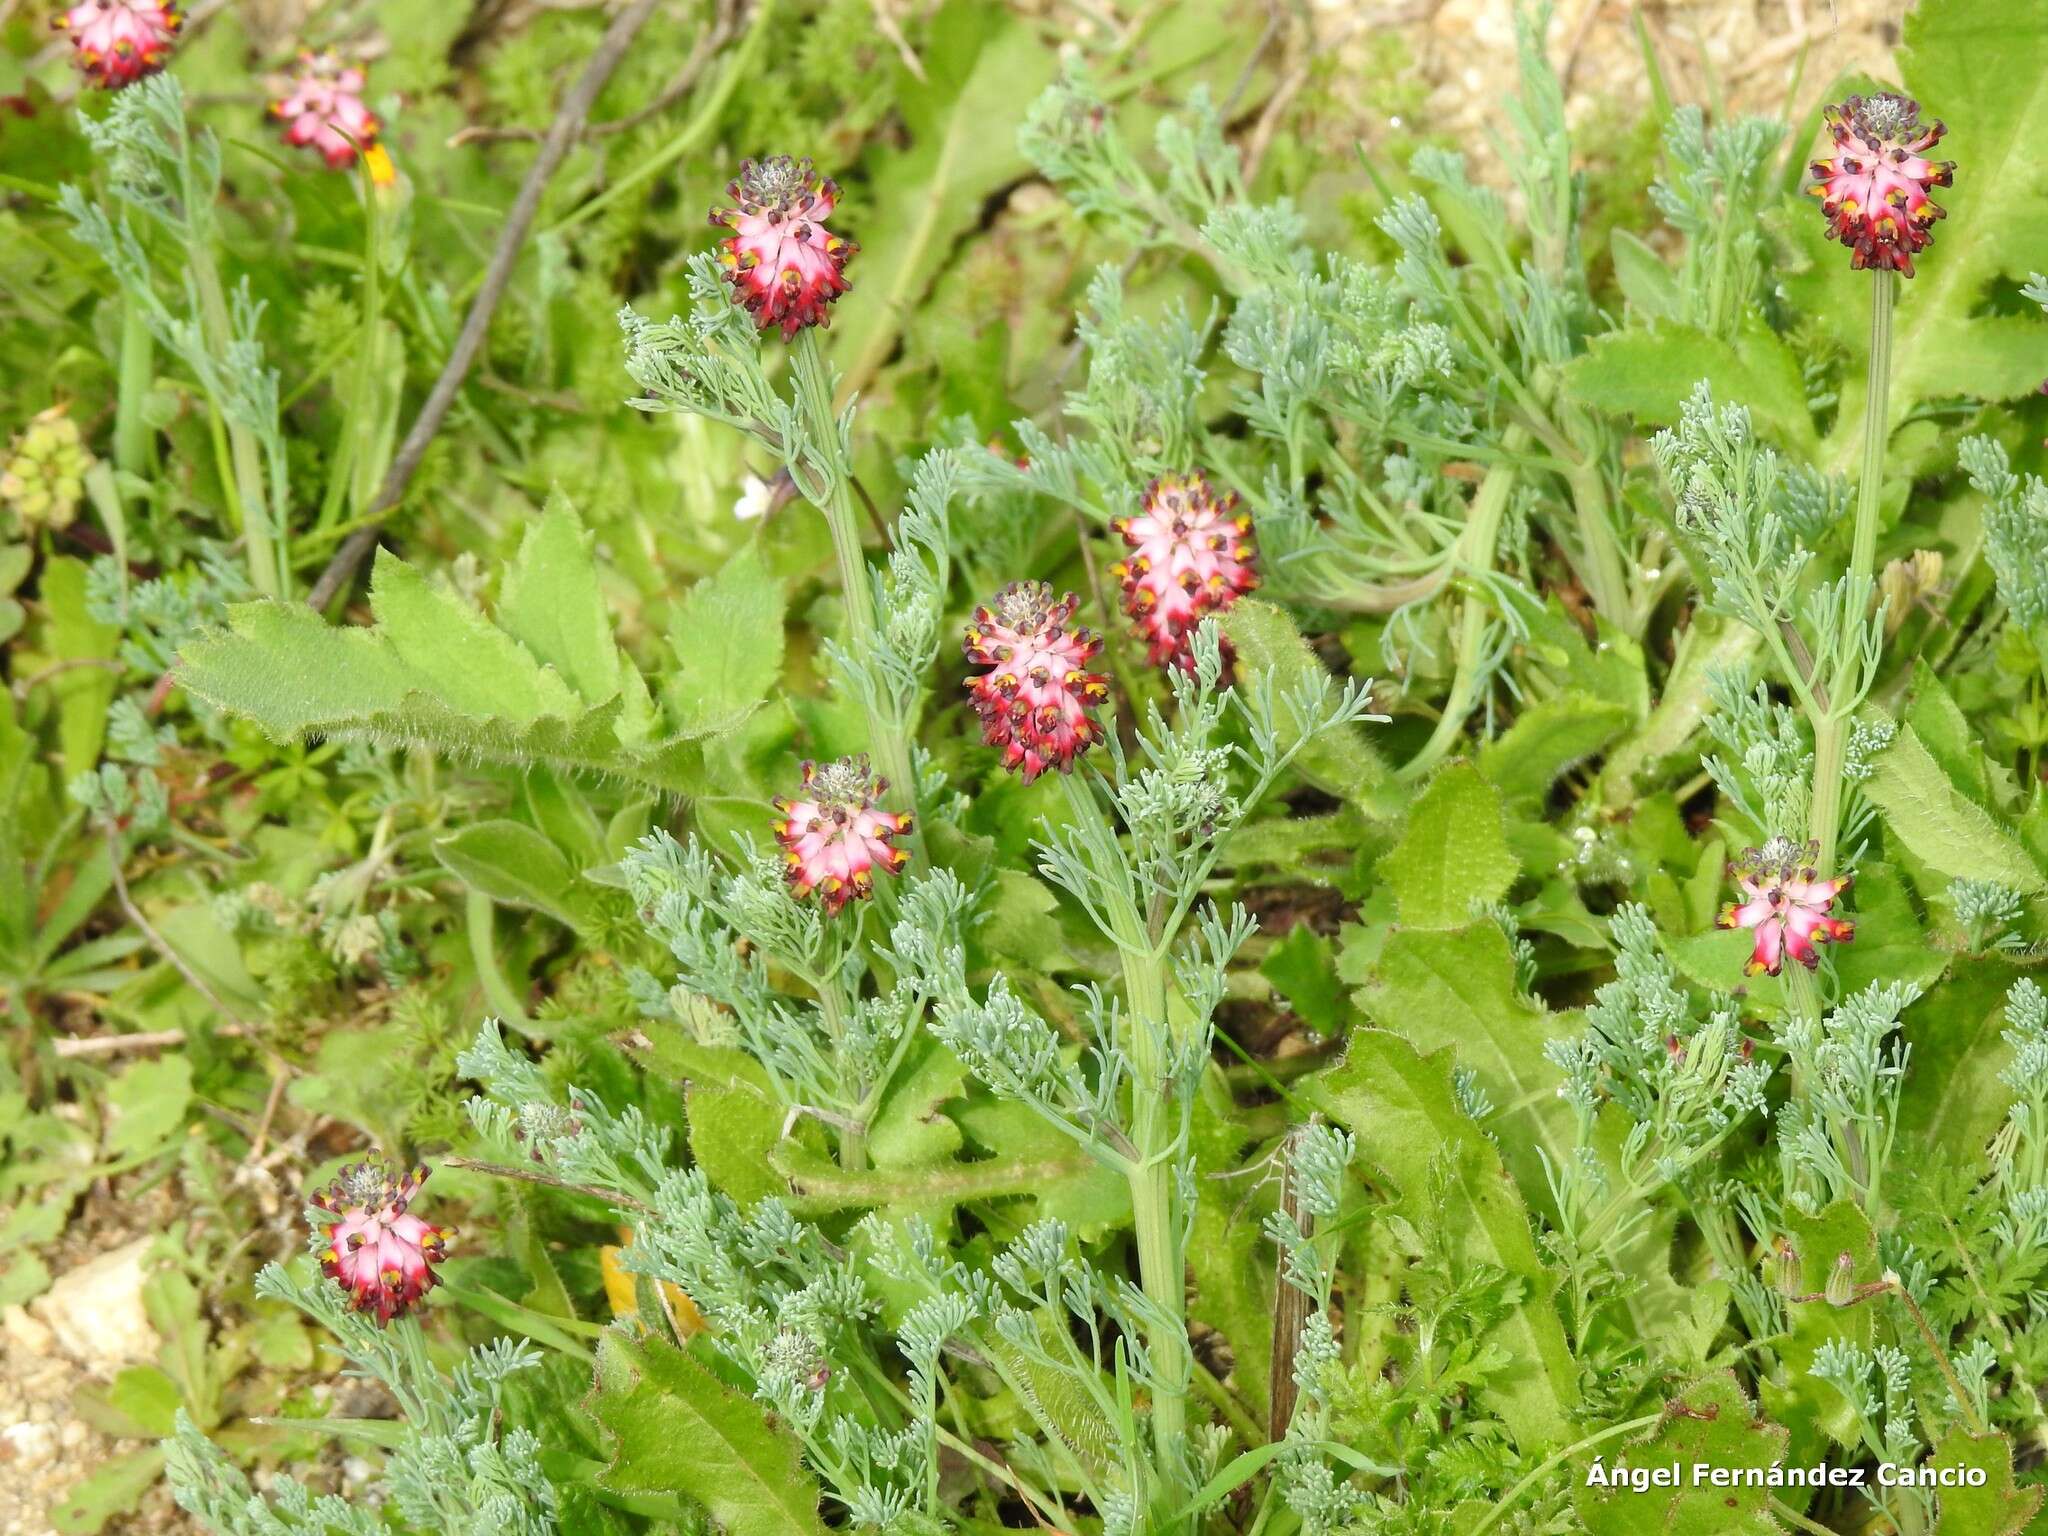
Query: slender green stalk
column 1831, row 731
column 245, row 454
column 1543, row 1469
column 134, row 442
column 1604, row 572
column 1475, row 553
column 1876, row 422
column 853, row 1133
column 889, row 737
column 1162, row 1268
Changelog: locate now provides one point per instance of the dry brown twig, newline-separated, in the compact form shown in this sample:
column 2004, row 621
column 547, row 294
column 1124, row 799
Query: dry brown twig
column 713, row 38
column 567, row 126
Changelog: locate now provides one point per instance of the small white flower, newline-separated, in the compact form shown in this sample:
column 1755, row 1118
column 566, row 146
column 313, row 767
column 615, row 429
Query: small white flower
column 756, row 497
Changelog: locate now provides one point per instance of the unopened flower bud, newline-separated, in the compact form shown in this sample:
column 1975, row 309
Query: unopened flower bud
column 1784, row 1266
column 1841, row 1288
column 1905, row 582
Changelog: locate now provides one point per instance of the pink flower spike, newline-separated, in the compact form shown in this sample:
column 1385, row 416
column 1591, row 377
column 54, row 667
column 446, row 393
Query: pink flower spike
column 1873, row 188
column 1035, row 700
column 834, row 835
column 1191, row 554
column 1786, row 904
column 117, row 42
column 324, row 111
column 784, row 264
column 377, row 1250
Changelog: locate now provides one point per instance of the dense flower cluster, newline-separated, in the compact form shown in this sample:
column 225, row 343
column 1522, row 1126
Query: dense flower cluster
column 1874, row 187
column 117, row 42
column 784, row 264
column 1191, row 554
column 377, row 1250
column 1035, row 699
column 1786, row 904
column 43, row 477
column 835, row 834
column 324, row 111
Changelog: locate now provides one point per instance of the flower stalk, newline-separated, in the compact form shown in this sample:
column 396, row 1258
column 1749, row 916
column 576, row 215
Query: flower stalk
column 1831, row 729
column 827, row 483
column 1154, row 1137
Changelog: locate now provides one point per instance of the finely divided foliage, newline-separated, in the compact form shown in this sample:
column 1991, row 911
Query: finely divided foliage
column 1225, row 842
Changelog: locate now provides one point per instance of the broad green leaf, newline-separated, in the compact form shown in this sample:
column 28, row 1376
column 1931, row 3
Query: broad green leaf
column 148, row 1101
column 910, row 1129
column 1090, row 1199
column 1234, row 1264
column 1458, row 990
column 670, row 1426
column 1609, row 666
column 1951, row 1102
column 1545, row 741
column 1712, row 1424
column 1341, row 762
column 141, row 1403
column 456, row 654
column 1948, row 833
column 1810, row 1407
column 513, row 864
column 82, row 692
column 982, row 66
column 552, row 605
column 115, row 1487
column 1303, row 970
column 733, row 1130
column 1647, row 372
column 1649, row 286
column 435, row 672
column 1404, row 1110
column 2000, row 1507
column 1938, row 721
column 817, row 1185
column 1454, row 858
column 727, row 637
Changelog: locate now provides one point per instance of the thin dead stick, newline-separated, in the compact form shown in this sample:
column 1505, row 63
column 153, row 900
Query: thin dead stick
column 562, row 133
column 156, row 940
column 713, row 38
column 72, row 1047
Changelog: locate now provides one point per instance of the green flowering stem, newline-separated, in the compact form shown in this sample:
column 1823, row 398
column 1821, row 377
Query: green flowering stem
column 1604, row 571
column 1162, row 1269
column 853, row 1131
column 1831, row 731
column 1876, row 422
column 134, row 442
column 1556, row 1459
column 888, row 736
column 245, row 455
column 1803, row 994
column 1476, row 547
